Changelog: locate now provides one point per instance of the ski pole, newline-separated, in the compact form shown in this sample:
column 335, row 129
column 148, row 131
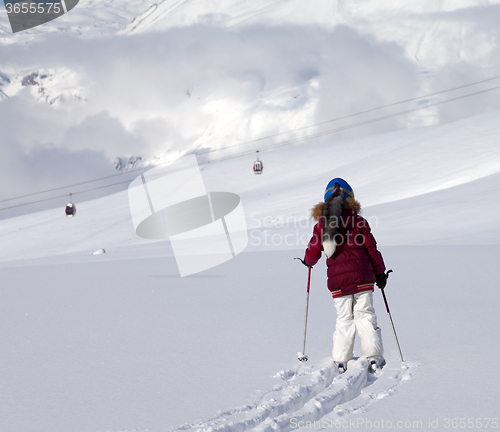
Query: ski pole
column 302, row 356
column 390, row 319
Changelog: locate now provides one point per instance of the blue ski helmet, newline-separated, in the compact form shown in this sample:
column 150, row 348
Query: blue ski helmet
column 348, row 192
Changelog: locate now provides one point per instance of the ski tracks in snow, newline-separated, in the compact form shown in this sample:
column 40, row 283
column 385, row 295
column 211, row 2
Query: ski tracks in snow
column 311, row 393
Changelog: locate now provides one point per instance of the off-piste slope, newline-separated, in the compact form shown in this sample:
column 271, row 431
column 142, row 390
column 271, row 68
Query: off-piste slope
column 308, row 394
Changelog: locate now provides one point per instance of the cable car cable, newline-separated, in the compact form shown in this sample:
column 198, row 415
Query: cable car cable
column 73, row 185
column 63, row 196
column 351, row 126
column 351, row 115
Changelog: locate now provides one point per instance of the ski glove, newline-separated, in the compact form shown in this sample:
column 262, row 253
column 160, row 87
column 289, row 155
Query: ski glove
column 381, row 280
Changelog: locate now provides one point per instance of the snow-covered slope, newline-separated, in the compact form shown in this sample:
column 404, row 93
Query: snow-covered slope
column 89, row 19
column 433, row 33
column 118, row 342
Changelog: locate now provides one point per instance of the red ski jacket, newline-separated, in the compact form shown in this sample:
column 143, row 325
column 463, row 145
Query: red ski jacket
column 356, row 261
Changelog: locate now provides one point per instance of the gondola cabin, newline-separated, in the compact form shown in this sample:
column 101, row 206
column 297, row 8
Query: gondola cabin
column 70, row 210
column 258, row 166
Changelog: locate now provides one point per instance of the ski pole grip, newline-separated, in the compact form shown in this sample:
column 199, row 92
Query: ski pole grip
column 303, row 262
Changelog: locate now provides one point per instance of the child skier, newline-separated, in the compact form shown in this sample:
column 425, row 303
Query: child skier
column 353, row 266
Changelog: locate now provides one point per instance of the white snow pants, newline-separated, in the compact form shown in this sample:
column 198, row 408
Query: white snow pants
column 356, row 312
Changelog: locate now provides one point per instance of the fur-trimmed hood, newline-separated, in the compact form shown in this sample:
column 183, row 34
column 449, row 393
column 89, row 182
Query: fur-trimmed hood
column 332, row 215
column 349, row 203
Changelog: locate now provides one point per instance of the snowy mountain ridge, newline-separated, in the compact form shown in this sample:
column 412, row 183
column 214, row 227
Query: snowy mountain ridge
column 55, row 86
